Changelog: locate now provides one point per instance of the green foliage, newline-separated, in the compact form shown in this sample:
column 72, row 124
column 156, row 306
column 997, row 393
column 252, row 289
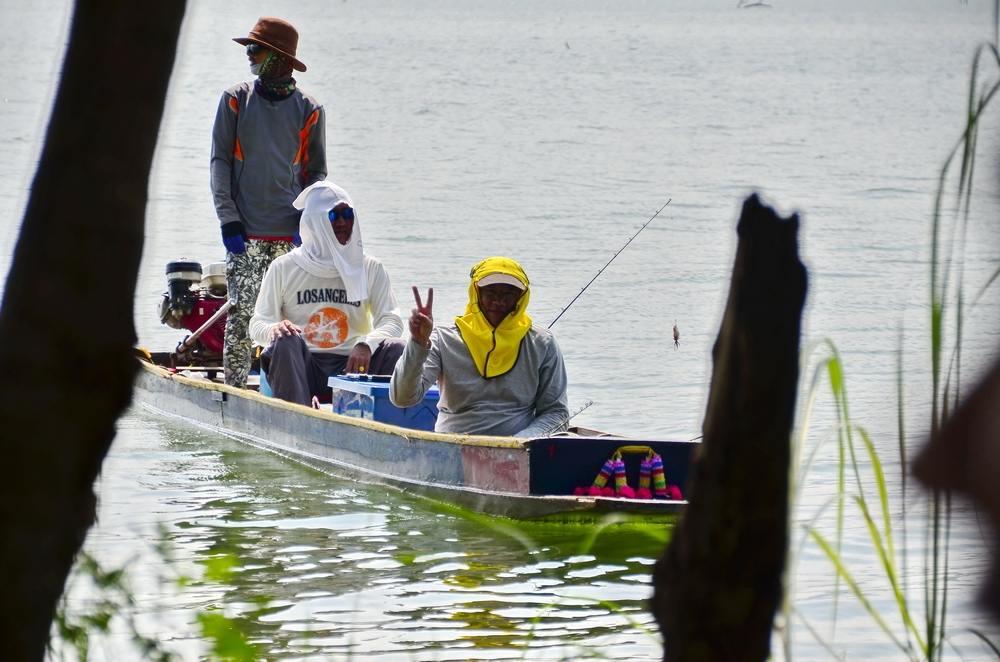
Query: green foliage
column 76, row 630
column 229, row 642
column 115, row 602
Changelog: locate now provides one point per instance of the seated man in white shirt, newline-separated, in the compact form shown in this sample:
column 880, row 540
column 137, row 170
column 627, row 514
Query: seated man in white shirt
column 325, row 307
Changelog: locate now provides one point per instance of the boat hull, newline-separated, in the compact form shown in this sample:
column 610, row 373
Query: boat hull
column 503, row 476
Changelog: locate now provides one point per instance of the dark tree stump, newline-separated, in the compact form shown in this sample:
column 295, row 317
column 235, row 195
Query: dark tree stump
column 66, row 323
column 719, row 583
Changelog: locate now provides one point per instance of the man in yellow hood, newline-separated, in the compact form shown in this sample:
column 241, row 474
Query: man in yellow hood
column 498, row 374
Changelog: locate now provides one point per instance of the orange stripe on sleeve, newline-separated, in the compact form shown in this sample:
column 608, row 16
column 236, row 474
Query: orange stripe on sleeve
column 302, row 156
column 234, row 106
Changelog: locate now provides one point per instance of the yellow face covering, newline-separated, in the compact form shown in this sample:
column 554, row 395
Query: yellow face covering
column 494, row 350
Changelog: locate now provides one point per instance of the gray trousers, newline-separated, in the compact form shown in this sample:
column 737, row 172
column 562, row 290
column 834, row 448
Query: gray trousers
column 297, row 374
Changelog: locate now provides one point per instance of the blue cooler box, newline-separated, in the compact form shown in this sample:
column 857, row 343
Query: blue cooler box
column 362, row 396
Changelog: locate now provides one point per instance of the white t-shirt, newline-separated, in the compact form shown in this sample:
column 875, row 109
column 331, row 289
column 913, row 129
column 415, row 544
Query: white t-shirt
column 320, row 308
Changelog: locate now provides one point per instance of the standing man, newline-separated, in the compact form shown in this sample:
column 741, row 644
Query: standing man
column 498, row 374
column 326, row 307
column 268, row 144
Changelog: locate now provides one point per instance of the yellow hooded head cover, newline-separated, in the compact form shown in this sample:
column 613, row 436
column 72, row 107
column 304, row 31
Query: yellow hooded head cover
column 494, row 350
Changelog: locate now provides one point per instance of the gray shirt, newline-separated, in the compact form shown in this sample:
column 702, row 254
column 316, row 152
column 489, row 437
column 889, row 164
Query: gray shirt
column 528, row 401
column 263, row 154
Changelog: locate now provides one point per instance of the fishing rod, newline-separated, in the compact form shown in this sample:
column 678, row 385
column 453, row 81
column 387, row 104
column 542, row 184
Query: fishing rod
column 552, row 323
column 566, row 420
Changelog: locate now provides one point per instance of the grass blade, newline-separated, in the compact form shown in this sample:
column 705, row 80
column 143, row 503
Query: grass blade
column 848, row 579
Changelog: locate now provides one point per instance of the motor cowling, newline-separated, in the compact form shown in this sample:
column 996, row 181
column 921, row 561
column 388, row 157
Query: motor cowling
column 183, row 276
column 213, row 279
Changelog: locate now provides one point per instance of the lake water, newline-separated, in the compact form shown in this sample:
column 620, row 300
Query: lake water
column 548, row 132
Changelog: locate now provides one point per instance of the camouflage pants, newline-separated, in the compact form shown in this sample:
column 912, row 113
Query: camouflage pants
column 244, row 272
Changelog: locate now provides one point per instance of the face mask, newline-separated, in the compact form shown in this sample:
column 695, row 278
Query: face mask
column 255, row 68
column 274, row 66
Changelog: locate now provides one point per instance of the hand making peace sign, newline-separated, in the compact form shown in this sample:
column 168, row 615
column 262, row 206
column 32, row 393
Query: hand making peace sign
column 421, row 320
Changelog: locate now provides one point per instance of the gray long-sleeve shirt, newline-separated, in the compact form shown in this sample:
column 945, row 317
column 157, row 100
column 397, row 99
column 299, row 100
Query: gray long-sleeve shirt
column 263, row 154
column 528, row 401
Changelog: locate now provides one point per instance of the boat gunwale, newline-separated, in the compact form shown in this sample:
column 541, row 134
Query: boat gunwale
column 386, row 428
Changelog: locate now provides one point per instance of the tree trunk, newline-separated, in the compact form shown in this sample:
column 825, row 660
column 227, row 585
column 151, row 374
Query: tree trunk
column 66, row 327
column 719, row 583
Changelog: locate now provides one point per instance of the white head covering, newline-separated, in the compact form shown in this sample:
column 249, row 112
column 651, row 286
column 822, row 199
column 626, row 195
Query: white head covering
column 320, row 253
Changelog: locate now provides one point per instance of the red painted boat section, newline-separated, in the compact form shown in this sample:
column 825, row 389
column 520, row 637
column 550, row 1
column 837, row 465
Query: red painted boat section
column 501, row 469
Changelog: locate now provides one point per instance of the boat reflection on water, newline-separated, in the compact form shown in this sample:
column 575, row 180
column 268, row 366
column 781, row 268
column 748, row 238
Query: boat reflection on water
column 331, row 567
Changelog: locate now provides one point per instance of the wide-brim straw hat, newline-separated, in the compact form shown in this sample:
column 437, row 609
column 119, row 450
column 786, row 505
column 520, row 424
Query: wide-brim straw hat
column 277, row 34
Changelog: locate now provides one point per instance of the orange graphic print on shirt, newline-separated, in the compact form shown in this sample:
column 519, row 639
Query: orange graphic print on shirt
column 326, row 328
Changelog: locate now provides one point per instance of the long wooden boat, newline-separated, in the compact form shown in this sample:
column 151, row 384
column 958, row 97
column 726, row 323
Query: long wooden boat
column 502, row 476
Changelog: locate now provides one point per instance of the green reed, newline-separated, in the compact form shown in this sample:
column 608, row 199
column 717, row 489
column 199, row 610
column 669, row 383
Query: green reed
column 923, row 636
column 857, row 451
column 947, row 262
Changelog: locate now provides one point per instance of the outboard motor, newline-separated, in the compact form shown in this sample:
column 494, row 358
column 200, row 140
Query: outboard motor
column 182, row 277
column 193, row 301
column 214, row 279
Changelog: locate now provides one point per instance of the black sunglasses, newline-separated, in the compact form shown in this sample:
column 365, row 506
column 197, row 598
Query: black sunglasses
column 253, row 49
column 506, row 296
column 347, row 213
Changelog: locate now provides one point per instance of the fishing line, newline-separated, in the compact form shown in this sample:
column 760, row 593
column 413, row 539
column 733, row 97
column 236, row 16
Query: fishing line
column 552, row 323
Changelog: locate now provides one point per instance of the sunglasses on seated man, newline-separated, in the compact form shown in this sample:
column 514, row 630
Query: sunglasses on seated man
column 347, row 213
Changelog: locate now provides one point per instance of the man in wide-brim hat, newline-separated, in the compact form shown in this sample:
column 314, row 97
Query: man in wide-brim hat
column 276, row 34
column 268, row 144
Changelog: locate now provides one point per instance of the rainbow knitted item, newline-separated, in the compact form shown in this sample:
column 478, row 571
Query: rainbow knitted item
column 645, row 471
column 600, row 486
column 622, row 488
column 605, row 473
column 651, row 473
column 659, row 479
column 619, row 468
